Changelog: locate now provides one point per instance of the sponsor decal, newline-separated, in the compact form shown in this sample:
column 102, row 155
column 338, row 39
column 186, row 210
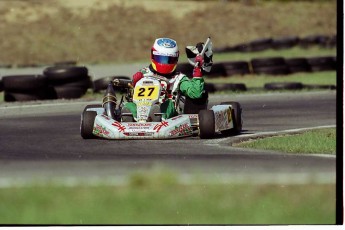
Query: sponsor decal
column 139, row 125
column 143, row 103
column 166, row 42
column 147, row 82
column 182, row 130
column 160, row 125
column 222, row 118
column 229, row 115
column 105, row 117
column 165, row 54
column 193, row 115
column 119, row 127
column 138, row 134
column 143, row 110
column 100, row 131
column 176, row 118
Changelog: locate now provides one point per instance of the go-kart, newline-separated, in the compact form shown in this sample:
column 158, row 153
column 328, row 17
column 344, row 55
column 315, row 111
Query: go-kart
column 110, row 120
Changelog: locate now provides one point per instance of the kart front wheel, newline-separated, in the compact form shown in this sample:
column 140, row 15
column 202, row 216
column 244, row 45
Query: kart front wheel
column 206, row 124
column 87, row 122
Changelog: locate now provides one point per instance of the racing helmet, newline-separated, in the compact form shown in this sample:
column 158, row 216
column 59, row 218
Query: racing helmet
column 164, row 55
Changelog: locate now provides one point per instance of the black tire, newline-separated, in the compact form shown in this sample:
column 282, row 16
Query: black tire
column 298, row 65
column 25, row 83
column 87, row 122
column 260, row 44
column 225, row 49
column 273, row 70
column 236, row 68
column 63, row 92
column 267, row 62
column 243, row 47
column 236, row 114
column 83, row 84
column 285, row 42
column 284, row 86
column 322, row 63
column 309, row 41
column 330, row 87
column 39, row 94
column 59, row 75
column 193, row 106
column 12, row 97
column 217, row 70
column 206, row 124
column 102, row 83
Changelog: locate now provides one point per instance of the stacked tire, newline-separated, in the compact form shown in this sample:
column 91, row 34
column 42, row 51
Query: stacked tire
column 322, row 63
column 68, row 82
column 236, row 68
column 26, row 88
column 56, row 82
column 297, row 65
column 270, row 66
column 285, row 42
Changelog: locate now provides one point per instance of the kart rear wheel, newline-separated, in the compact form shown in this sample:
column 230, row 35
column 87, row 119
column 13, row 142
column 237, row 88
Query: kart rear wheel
column 236, row 114
column 87, row 122
column 206, row 124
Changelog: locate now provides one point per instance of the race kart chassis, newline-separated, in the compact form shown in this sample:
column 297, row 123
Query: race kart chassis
column 224, row 118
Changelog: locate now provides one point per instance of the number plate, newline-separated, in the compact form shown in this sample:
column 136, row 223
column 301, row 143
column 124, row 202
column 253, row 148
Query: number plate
column 146, row 92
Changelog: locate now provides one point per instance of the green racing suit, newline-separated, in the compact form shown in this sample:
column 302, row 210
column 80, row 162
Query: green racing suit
column 192, row 88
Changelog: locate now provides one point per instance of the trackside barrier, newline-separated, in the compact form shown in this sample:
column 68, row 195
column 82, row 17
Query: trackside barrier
column 65, row 81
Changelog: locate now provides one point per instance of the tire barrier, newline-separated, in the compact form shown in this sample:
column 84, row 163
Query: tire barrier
column 285, row 42
column 283, row 86
column 26, row 88
column 268, row 66
column 56, row 82
column 68, row 81
column 240, row 87
column 65, row 80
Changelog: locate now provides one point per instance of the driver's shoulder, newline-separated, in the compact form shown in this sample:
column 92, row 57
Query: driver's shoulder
column 146, row 71
column 180, row 76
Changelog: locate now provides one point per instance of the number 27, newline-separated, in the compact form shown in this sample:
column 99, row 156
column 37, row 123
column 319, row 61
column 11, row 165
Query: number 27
column 142, row 91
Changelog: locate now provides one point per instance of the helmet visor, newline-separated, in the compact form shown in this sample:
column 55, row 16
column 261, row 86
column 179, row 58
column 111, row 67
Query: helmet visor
column 164, row 59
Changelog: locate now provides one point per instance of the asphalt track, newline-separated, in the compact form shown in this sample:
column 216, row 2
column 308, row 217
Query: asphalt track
column 41, row 142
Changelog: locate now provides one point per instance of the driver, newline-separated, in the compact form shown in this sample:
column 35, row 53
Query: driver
column 164, row 58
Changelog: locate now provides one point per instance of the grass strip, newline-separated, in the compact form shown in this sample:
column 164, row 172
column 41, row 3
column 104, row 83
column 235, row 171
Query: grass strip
column 151, row 202
column 314, row 141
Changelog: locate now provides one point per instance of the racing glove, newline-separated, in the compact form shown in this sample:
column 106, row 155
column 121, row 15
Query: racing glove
column 136, row 77
column 199, row 60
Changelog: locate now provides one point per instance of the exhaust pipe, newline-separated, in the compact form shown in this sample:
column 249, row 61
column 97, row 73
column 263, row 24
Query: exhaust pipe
column 109, row 101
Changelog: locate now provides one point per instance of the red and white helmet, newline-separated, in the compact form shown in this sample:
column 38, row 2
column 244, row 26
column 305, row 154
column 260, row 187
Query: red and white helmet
column 164, row 55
